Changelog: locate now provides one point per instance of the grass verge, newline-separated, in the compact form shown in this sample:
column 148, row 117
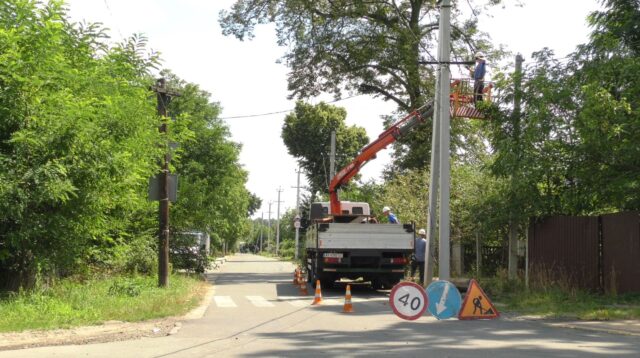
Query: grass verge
column 70, row 304
column 556, row 302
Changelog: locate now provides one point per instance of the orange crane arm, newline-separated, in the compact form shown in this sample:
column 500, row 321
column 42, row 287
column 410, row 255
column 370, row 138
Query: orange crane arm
column 396, row 131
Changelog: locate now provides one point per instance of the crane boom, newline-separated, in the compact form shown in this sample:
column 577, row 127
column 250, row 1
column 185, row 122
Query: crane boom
column 393, row 133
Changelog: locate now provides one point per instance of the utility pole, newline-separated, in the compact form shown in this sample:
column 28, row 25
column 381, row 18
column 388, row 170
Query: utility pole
column 163, row 96
column 513, row 224
column 297, row 219
column 434, row 174
column 332, row 160
column 261, row 227
column 445, row 118
column 279, row 190
column 269, row 224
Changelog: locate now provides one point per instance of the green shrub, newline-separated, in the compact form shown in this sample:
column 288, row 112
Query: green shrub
column 126, row 287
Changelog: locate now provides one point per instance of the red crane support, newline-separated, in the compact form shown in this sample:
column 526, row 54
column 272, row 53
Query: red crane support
column 396, row 131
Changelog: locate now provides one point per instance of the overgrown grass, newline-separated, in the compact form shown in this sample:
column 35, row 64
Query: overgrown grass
column 71, row 303
column 553, row 300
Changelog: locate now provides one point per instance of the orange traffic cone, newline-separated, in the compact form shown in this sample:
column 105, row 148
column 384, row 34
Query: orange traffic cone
column 296, row 276
column 303, row 287
column 318, row 298
column 348, row 307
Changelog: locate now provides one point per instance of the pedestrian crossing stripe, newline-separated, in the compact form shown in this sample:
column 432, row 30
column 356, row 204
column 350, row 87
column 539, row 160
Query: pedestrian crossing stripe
column 476, row 304
column 259, row 301
column 224, row 301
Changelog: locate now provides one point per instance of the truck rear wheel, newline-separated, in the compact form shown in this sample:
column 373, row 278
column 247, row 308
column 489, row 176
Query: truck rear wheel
column 377, row 284
column 327, row 282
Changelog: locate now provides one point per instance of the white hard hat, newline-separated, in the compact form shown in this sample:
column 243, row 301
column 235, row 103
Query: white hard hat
column 479, row 54
column 385, row 209
column 422, row 232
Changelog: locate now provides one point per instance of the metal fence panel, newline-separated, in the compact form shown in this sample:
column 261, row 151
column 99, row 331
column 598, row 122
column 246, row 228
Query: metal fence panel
column 621, row 252
column 565, row 249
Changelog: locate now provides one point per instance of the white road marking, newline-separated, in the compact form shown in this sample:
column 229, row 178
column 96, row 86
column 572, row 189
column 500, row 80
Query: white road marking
column 259, row 301
column 296, row 301
column 300, row 303
column 224, row 301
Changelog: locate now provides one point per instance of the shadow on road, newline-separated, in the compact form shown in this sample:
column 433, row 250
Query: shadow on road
column 452, row 338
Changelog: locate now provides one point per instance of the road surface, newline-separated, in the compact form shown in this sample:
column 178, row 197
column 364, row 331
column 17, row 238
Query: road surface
column 257, row 312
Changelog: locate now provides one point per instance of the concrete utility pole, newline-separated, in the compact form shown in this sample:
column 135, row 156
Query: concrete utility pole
column 332, row 160
column 434, row 176
column 269, row 225
column 513, row 224
column 297, row 225
column 163, row 96
column 261, row 227
column 445, row 118
column 279, row 190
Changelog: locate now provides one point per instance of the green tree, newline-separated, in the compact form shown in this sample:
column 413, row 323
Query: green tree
column 365, row 47
column 78, row 140
column 607, row 77
column 307, row 134
column 212, row 195
column 572, row 149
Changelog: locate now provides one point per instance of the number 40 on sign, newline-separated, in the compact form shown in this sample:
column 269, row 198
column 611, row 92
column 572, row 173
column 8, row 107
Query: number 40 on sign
column 408, row 300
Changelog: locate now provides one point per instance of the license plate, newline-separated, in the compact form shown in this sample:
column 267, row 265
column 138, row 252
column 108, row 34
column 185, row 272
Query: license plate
column 337, row 255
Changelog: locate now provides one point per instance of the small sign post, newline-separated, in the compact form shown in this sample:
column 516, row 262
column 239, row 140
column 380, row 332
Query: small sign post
column 408, row 300
column 477, row 304
column 444, row 299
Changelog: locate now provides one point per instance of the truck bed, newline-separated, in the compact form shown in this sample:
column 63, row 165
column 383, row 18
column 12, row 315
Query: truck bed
column 362, row 236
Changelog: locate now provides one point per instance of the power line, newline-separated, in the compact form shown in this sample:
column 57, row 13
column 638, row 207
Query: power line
column 408, row 25
column 285, row 110
column 106, row 4
column 473, row 11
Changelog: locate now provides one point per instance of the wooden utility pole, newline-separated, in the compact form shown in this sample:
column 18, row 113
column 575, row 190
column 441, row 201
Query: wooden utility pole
column 297, row 218
column 269, row 224
column 164, row 97
column 279, row 190
column 332, row 160
column 513, row 223
column 261, row 227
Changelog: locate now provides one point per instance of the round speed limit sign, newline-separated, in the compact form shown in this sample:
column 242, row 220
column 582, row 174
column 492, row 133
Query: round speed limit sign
column 408, row 300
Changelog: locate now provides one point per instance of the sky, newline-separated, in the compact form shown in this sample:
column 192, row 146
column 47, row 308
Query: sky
column 246, row 80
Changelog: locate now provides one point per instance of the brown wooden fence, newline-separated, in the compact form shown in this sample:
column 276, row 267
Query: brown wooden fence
column 621, row 252
column 589, row 252
column 565, row 249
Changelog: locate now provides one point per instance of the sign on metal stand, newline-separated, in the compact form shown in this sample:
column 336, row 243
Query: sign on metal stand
column 477, row 304
column 408, row 300
column 444, row 299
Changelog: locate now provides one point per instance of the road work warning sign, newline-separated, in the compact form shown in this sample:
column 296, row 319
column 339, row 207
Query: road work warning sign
column 477, row 304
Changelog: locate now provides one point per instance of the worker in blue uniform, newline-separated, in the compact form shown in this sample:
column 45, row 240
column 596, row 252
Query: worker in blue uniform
column 478, row 77
column 392, row 218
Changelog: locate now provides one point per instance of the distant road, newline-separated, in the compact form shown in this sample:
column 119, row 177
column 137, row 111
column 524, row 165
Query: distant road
column 257, row 312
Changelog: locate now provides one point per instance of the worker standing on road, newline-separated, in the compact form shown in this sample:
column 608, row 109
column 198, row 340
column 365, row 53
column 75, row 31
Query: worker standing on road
column 478, row 77
column 418, row 256
column 392, row 218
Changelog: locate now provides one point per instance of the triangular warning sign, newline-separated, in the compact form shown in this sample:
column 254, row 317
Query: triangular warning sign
column 476, row 304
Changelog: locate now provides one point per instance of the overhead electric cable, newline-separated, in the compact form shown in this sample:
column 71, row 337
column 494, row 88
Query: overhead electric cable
column 285, row 110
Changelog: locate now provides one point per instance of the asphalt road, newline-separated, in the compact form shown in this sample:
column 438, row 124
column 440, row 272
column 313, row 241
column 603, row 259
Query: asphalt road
column 257, row 312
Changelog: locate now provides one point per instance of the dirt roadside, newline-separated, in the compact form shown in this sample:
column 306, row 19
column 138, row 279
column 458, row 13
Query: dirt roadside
column 110, row 331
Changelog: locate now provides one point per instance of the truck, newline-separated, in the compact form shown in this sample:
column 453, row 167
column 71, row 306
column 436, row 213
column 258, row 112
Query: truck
column 343, row 240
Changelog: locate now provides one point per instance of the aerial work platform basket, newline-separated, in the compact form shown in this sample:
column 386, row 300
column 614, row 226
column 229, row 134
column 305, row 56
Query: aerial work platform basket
column 462, row 98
